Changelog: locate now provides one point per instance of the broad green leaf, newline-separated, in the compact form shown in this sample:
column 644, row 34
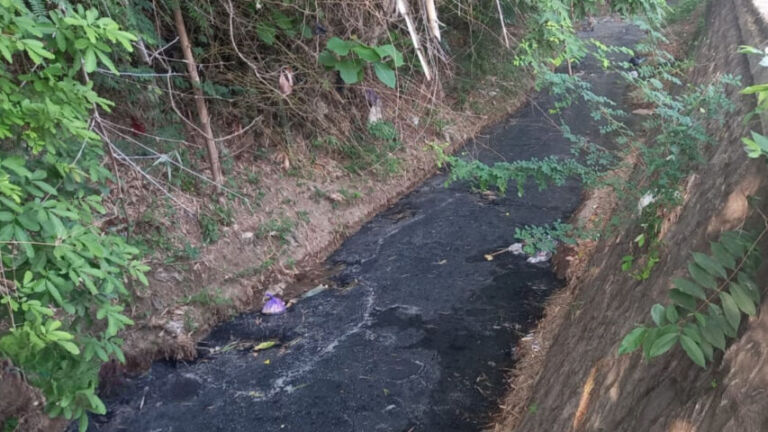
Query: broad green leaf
column 734, row 243
column 722, row 255
column 713, row 334
column 690, row 288
column 657, row 313
column 671, row 313
column 385, row 74
column 742, row 300
column 351, row 72
column 390, row 51
column 6, row 216
column 682, row 299
column 632, row 340
column 707, row 263
column 340, row 46
column 327, row 59
column 731, row 310
column 366, row 53
column 749, row 287
column 692, row 349
column 701, row 276
column 663, row 344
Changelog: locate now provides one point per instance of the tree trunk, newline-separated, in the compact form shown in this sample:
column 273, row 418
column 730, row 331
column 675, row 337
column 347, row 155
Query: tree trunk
column 202, row 108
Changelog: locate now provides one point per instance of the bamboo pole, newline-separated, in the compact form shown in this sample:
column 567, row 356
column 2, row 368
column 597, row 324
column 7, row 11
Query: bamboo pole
column 402, row 7
column 202, row 108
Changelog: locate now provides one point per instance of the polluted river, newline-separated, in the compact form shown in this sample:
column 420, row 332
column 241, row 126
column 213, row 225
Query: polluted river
column 416, row 330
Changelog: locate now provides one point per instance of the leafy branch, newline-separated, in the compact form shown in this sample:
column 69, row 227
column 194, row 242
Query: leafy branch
column 706, row 308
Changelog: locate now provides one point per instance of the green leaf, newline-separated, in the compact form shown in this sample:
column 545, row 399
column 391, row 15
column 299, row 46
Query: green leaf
column 713, row 334
column 707, row 263
column 97, row 406
column 701, row 276
column 749, row 287
column 6, row 216
column 351, row 72
column 327, row 59
column 683, row 300
column 366, row 53
column 657, row 313
column 390, row 51
column 339, row 46
column 671, row 314
column 266, row 33
column 89, row 60
column 83, row 423
column 731, row 310
column 663, row 344
column 722, row 255
column 69, row 346
column 107, row 62
column 632, row 340
column 734, row 243
column 689, row 288
column 385, row 74
column 692, row 349
column 742, row 300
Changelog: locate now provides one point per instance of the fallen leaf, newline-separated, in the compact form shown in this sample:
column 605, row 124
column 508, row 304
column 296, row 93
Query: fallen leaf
column 488, row 257
column 264, row 345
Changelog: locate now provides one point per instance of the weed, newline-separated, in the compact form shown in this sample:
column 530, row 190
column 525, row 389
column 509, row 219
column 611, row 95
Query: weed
column 253, row 270
column 277, row 227
column 205, row 298
column 350, row 196
column 219, row 215
column 303, row 216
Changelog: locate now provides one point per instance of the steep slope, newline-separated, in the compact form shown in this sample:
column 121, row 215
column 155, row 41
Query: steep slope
column 584, row 385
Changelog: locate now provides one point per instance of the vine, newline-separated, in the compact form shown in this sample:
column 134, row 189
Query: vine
column 706, row 308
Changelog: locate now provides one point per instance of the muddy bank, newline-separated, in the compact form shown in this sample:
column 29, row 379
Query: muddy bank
column 584, row 385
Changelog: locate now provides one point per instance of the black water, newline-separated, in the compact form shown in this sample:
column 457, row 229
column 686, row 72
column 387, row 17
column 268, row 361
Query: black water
column 417, row 330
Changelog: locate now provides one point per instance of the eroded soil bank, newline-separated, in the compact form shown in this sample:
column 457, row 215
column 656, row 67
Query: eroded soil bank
column 416, row 329
column 583, row 384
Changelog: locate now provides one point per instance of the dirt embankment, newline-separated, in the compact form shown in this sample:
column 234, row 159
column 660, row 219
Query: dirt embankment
column 583, row 385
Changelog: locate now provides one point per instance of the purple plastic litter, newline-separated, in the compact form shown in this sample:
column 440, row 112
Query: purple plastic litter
column 273, row 306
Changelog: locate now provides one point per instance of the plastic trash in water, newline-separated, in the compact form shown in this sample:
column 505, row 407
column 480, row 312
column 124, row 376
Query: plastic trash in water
column 540, row 257
column 516, row 248
column 273, row 306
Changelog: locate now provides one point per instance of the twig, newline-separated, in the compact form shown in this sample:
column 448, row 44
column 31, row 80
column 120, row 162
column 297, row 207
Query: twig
column 503, row 26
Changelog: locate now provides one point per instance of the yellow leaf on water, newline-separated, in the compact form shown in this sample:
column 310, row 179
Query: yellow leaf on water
column 488, row 257
column 265, row 345
column 267, row 361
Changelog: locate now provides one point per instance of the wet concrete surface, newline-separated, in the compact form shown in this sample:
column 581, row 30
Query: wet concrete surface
column 416, row 331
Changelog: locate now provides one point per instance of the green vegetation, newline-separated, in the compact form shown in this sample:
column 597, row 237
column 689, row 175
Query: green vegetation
column 63, row 279
column 705, row 308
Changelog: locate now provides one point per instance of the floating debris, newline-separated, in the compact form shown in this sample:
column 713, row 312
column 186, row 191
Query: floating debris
column 540, row 257
column 315, row 291
column 516, row 248
column 273, row 306
column 265, row 345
